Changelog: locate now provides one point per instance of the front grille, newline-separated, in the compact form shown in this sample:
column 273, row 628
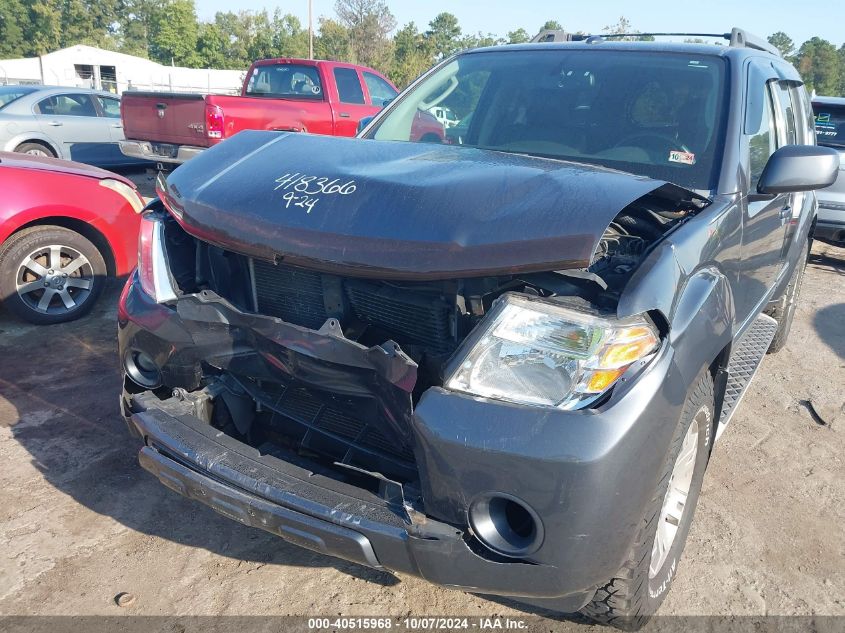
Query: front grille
column 335, row 431
column 294, row 295
column 408, row 315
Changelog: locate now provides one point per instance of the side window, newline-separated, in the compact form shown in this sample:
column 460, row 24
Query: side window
column 763, row 142
column 348, row 86
column 110, row 107
column 788, row 133
column 380, row 90
column 67, row 105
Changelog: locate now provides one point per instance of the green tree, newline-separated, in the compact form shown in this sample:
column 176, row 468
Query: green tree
column 818, row 63
column 783, row 43
column 13, row 37
column 444, row 35
column 173, row 33
column 412, row 55
column 89, row 22
column 519, row 36
column 133, row 18
column 369, row 24
column 551, row 25
column 332, row 41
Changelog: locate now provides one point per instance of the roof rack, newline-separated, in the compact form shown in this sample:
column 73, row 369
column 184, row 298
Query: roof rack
column 737, row 38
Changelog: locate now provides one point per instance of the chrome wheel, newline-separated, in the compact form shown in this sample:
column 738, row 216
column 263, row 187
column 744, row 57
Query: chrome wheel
column 54, row 279
column 34, row 151
column 675, row 501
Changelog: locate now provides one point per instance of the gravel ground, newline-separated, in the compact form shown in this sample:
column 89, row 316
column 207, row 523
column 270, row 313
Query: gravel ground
column 80, row 521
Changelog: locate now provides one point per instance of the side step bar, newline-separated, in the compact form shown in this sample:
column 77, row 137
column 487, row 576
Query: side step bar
column 745, row 360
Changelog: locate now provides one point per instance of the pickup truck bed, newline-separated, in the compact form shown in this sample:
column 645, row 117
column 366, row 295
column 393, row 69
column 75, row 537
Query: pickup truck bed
column 287, row 95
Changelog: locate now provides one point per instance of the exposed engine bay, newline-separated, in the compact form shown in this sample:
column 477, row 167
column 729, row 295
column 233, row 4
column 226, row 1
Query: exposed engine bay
column 323, row 413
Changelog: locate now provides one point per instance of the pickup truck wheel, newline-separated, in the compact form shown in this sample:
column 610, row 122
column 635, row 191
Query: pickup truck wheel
column 634, row 594
column 784, row 312
column 50, row 274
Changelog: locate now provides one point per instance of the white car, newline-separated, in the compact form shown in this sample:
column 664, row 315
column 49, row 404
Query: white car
column 76, row 124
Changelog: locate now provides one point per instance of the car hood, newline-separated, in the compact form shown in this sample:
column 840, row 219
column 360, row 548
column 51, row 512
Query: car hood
column 397, row 210
column 25, row 161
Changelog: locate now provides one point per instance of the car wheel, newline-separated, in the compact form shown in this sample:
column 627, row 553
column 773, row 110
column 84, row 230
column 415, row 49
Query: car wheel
column 50, row 274
column 784, row 312
column 35, row 149
column 638, row 589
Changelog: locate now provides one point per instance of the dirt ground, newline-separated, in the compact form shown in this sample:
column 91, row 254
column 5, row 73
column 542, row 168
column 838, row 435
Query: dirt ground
column 80, row 521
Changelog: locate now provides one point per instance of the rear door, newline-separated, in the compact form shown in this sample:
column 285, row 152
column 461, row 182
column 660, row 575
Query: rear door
column 71, row 119
column 351, row 105
column 109, row 109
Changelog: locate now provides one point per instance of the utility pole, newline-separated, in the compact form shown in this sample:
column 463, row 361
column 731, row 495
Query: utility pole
column 310, row 30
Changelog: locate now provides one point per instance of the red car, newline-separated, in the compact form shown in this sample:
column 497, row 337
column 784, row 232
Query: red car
column 64, row 228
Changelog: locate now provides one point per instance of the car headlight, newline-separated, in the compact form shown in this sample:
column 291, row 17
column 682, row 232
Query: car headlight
column 128, row 193
column 533, row 351
column 152, row 260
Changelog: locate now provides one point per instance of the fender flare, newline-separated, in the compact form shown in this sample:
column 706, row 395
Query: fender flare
column 697, row 309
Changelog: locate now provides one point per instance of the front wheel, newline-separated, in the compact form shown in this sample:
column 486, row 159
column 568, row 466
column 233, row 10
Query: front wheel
column 50, row 274
column 640, row 586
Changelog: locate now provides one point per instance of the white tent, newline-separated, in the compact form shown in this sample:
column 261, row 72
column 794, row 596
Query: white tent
column 89, row 67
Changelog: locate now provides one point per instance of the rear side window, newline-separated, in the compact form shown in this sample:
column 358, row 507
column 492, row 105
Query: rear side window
column 763, row 142
column 380, row 90
column 348, row 86
column 288, row 81
column 110, row 107
column 12, row 93
column 67, row 105
column 830, row 124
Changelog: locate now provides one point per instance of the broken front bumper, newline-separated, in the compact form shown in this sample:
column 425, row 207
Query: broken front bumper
column 588, row 475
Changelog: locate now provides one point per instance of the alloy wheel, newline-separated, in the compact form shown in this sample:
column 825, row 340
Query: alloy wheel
column 54, row 279
column 675, row 501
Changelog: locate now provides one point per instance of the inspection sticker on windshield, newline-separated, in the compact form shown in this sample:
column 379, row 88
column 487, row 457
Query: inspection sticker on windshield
column 687, row 158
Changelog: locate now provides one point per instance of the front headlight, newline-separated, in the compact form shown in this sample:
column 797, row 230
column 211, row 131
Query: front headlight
column 126, row 192
column 533, row 351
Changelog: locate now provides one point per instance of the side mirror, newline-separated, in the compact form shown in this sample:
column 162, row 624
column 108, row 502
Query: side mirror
column 364, row 123
column 799, row 168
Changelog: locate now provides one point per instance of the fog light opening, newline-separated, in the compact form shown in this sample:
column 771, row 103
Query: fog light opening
column 506, row 525
column 142, row 369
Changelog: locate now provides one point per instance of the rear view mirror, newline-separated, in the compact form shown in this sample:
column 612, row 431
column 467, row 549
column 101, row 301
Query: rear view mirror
column 799, row 168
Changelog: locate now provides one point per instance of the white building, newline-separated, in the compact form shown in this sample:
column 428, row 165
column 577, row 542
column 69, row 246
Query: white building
column 89, row 67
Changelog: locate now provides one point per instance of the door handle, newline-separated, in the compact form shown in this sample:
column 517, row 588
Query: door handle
column 55, row 123
column 344, row 115
column 786, row 212
column 117, row 125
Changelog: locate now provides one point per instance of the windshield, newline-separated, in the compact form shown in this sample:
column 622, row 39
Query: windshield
column 654, row 114
column 830, row 124
column 10, row 93
column 290, row 81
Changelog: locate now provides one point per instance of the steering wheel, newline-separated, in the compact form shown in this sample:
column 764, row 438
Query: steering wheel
column 654, row 142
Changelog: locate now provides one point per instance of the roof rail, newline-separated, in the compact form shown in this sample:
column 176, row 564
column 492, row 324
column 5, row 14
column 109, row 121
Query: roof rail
column 738, row 38
column 743, row 39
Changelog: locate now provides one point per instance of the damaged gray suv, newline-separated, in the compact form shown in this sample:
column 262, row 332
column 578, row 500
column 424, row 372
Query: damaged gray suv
column 499, row 361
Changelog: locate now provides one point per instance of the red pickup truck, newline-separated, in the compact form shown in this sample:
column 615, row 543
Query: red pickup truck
column 292, row 95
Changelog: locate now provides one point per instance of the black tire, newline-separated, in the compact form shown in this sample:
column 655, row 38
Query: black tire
column 784, row 312
column 23, row 289
column 634, row 594
column 39, row 149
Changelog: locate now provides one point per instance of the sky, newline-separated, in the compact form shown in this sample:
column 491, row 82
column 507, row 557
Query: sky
column 799, row 20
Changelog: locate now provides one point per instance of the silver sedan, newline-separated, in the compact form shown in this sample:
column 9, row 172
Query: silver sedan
column 71, row 123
